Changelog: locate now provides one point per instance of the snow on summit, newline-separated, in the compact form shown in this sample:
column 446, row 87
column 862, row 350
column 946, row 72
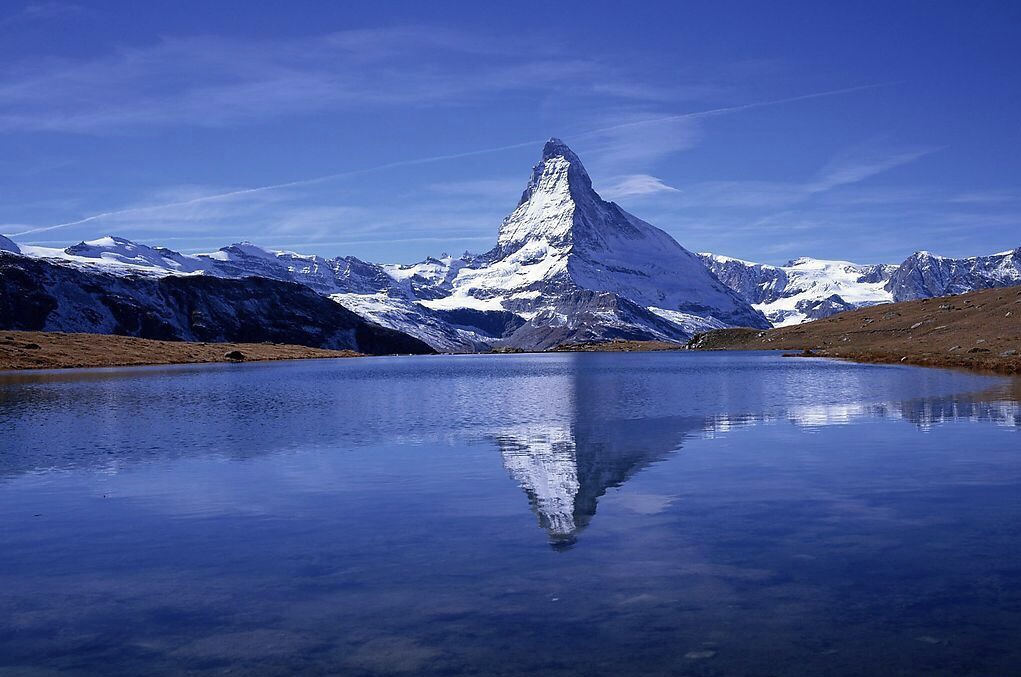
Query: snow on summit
column 580, row 268
column 567, row 266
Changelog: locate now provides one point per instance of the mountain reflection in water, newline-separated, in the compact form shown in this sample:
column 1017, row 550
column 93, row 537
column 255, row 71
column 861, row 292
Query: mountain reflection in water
column 708, row 514
column 564, row 470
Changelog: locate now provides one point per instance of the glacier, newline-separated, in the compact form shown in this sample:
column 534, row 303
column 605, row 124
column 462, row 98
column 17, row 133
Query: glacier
column 567, row 267
column 808, row 289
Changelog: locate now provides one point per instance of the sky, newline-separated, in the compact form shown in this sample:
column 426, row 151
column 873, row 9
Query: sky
column 393, row 131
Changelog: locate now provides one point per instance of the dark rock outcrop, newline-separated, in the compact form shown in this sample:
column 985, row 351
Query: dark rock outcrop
column 36, row 294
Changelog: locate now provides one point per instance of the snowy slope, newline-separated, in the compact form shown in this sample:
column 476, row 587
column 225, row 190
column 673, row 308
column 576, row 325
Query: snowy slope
column 567, row 266
column 40, row 294
column 924, row 275
column 119, row 252
column 805, row 288
column 579, row 268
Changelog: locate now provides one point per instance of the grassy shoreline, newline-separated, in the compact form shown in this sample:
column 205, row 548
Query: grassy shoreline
column 979, row 331
column 26, row 350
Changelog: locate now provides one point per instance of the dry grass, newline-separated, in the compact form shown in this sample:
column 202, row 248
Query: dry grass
column 979, row 330
column 56, row 350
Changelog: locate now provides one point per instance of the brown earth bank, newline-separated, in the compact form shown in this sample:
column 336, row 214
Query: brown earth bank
column 56, row 350
column 616, row 346
column 978, row 330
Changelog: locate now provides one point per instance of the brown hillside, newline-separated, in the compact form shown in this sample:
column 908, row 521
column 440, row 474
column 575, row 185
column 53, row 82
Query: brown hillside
column 978, row 330
column 56, row 350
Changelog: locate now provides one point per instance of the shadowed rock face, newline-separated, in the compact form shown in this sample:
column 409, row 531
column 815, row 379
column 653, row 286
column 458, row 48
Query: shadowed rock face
column 38, row 295
column 584, row 269
column 7, row 245
column 568, row 266
column 924, row 275
column 831, row 305
column 809, row 289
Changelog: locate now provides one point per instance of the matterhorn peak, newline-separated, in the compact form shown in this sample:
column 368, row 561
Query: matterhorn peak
column 560, row 172
column 557, row 186
column 557, row 148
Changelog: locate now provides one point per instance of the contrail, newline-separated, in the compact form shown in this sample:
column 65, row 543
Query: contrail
column 735, row 109
column 440, row 158
column 275, row 186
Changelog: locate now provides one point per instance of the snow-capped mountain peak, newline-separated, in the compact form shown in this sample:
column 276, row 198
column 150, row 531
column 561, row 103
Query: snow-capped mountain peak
column 568, row 266
column 558, row 184
column 925, row 275
column 564, row 253
column 560, row 170
column 804, row 288
column 120, row 251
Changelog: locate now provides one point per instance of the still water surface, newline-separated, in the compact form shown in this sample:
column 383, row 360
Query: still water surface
column 574, row 514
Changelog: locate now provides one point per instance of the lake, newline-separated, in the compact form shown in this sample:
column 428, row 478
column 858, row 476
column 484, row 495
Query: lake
column 557, row 514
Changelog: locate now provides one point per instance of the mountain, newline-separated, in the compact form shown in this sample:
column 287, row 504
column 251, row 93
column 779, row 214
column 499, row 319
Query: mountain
column 924, row 275
column 40, row 294
column 363, row 287
column 805, row 288
column 567, row 267
column 809, row 289
column 7, row 245
column 575, row 268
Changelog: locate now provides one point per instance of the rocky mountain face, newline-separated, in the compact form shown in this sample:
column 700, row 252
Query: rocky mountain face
column 924, row 275
column 38, row 294
column 574, row 267
column 568, row 266
column 803, row 289
column 809, row 289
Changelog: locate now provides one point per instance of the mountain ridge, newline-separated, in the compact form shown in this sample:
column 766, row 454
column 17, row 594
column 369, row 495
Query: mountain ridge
column 567, row 267
column 808, row 289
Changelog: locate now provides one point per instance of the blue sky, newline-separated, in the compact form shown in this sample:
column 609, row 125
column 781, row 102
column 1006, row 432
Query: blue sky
column 862, row 132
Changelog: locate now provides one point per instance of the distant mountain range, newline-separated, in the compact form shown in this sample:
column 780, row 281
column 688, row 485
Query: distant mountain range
column 567, row 267
column 809, row 289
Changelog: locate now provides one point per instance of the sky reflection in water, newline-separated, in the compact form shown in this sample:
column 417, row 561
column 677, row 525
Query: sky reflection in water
column 566, row 514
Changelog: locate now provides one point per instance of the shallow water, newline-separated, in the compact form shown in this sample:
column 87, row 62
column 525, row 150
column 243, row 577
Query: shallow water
column 564, row 514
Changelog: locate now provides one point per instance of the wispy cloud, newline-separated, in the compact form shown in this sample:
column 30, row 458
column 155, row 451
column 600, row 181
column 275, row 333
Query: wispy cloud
column 849, row 167
column 635, row 184
column 858, row 164
column 43, row 10
column 215, row 81
column 986, row 197
column 638, row 139
column 505, row 189
column 631, row 126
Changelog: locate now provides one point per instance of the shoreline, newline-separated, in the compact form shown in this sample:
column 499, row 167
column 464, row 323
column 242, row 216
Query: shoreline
column 37, row 350
column 27, row 351
column 990, row 366
column 977, row 331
